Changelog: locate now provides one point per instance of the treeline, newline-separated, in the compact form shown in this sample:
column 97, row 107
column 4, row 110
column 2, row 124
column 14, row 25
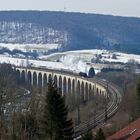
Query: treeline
column 36, row 119
column 111, row 70
column 83, row 31
column 129, row 109
column 42, row 115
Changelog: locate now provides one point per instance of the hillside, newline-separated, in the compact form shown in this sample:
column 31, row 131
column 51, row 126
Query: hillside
column 72, row 30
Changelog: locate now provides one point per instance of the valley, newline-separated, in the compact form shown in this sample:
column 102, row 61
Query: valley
column 88, row 64
column 72, row 61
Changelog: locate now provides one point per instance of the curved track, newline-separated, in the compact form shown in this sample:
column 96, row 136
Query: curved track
column 115, row 97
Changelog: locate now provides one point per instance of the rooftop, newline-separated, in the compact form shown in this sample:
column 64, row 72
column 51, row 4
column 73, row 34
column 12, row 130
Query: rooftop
column 130, row 132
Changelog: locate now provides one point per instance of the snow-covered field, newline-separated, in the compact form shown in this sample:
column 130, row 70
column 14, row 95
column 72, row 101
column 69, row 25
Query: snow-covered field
column 87, row 55
column 30, row 47
column 75, row 67
column 75, row 61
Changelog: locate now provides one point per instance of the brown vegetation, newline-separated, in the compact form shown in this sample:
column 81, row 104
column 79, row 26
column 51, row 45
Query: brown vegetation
column 129, row 108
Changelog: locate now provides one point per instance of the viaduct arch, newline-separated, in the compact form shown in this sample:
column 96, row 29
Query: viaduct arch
column 67, row 82
column 74, row 84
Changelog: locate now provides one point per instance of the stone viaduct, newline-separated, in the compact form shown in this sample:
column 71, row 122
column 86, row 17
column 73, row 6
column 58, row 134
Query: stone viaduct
column 69, row 83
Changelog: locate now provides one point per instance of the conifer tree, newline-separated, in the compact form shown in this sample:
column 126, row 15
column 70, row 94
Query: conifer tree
column 138, row 89
column 91, row 72
column 88, row 136
column 99, row 135
column 55, row 125
column 138, row 95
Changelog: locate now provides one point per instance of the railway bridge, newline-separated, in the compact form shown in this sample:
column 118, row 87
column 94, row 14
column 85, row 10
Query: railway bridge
column 69, row 83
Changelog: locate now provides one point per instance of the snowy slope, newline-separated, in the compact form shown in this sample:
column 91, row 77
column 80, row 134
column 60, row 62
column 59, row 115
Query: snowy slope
column 87, row 55
column 31, row 47
column 29, row 33
column 74, row 61
column 77, row 67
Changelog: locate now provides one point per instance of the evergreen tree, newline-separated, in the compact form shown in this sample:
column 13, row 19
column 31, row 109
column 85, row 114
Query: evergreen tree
column 138, row 96
column 55, row 124
column 88, row 136
column 91, row 72
column 99, row 135
column 138, row 90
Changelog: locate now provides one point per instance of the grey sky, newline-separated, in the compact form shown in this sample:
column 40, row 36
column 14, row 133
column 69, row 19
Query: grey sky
column 113, row 7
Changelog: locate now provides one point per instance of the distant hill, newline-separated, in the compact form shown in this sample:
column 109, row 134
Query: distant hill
column 72, row 30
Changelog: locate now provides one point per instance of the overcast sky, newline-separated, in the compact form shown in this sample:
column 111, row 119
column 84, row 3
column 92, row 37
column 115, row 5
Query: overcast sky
column 112, row 7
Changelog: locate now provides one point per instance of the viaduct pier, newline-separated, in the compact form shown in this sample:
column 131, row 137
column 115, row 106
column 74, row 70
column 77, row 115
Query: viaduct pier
column 73, row 84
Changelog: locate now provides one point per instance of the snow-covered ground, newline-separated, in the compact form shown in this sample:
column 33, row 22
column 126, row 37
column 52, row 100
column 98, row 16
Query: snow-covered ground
column 88, row 55
column 30, row 47
column 75, row 61
column 75, row 67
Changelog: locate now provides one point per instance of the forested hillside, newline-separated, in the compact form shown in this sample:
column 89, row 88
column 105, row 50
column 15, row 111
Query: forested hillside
column 72, row 30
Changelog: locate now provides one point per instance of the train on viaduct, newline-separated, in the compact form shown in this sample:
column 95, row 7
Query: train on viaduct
column 69, row 83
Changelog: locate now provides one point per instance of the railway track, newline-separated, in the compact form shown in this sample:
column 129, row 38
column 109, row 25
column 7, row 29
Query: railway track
column 115, row 97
